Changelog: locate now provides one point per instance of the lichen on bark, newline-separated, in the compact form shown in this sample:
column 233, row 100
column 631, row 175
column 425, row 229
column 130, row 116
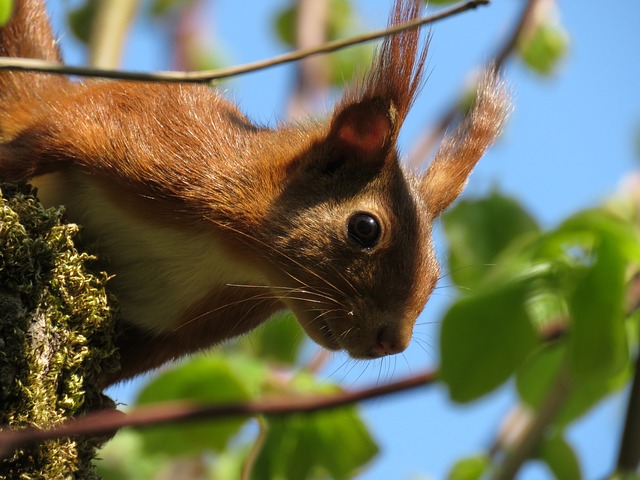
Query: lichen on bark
column 56, row 335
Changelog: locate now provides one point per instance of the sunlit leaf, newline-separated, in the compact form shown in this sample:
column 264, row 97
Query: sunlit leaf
column 204, row 380
column 483, row 339
column 123, row 458
column 6, row 7
column 339, row 20
column 560, row 458
column 536, row 376
column 597, row 343
column 471, row 468
column 279, row 339
column 345, row 64
column 539, row 372
column 588, row 225
column 545, row 47
column 162, row 7
column 478, row 231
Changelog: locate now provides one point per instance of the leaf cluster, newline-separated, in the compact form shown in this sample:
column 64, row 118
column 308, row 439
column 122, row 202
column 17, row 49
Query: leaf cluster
column 266, row 446
column 518, row 283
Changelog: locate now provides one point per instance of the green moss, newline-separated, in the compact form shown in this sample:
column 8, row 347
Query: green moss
column 56, row 335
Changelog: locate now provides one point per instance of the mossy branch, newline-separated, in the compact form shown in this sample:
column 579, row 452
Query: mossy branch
column 56, row 336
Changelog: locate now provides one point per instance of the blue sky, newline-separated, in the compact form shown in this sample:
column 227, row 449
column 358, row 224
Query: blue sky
column 569, row 143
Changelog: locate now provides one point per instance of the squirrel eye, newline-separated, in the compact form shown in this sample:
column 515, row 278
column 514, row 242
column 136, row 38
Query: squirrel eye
column 364, row 229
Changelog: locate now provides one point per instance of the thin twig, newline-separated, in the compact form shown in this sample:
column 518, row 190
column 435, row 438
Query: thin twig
column 34, row 65
column 110, row 421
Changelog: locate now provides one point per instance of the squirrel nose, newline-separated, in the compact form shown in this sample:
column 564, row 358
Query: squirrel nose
column 387, row 344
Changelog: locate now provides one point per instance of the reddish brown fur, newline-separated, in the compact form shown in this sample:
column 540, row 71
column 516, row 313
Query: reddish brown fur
column 179, row 161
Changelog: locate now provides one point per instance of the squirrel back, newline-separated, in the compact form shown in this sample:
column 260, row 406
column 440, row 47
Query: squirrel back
column 210, row 223
column 28, row 35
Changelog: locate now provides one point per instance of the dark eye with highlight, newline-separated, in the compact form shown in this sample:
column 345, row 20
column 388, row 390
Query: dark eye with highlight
column 364, row 229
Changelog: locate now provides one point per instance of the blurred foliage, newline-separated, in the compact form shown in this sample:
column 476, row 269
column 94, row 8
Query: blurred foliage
column 470, row 468
column 491, row 333
column 6, row 7
column 545, row 47
column 544, row 42
column 342, row 22
column 80, row 19
column 236, row 375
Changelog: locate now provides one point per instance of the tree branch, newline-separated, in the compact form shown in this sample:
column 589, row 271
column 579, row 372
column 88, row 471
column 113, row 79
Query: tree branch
column 109, row 421
column 629, row 454
column 34, row 65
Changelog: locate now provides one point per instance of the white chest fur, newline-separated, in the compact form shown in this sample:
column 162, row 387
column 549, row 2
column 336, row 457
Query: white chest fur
column 158, row 271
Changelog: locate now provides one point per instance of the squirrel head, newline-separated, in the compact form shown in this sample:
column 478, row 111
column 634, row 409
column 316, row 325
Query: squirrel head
column 353, row 227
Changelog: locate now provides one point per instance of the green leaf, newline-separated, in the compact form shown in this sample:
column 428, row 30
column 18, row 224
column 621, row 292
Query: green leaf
column 122, row 458
column 625, row 476
column 483, row 339
column 339, row 22
column 478, row 231
column 162, row 7
column 81, row 20
column 204, row 380
column 285, row 24
column 544, row 49
column 333, row 444
column 588, row 225
column 6, row 7
column 560, row 458
column 346, row 63
column 535, row 377
column 538, row 374
column 598, row 343
column 279, row 339
column 471, row 468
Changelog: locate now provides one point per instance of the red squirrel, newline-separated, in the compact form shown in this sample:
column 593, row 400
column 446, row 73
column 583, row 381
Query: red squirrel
column 210, row 224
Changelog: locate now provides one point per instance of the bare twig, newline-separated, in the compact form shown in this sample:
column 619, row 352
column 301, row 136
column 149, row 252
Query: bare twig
column 108, row 422
column 34, row 65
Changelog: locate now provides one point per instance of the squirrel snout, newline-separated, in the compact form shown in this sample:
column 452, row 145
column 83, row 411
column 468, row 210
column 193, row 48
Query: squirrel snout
column 389, row 342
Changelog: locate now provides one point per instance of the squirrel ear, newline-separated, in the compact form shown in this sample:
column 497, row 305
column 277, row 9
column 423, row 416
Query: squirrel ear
column 366, row 127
